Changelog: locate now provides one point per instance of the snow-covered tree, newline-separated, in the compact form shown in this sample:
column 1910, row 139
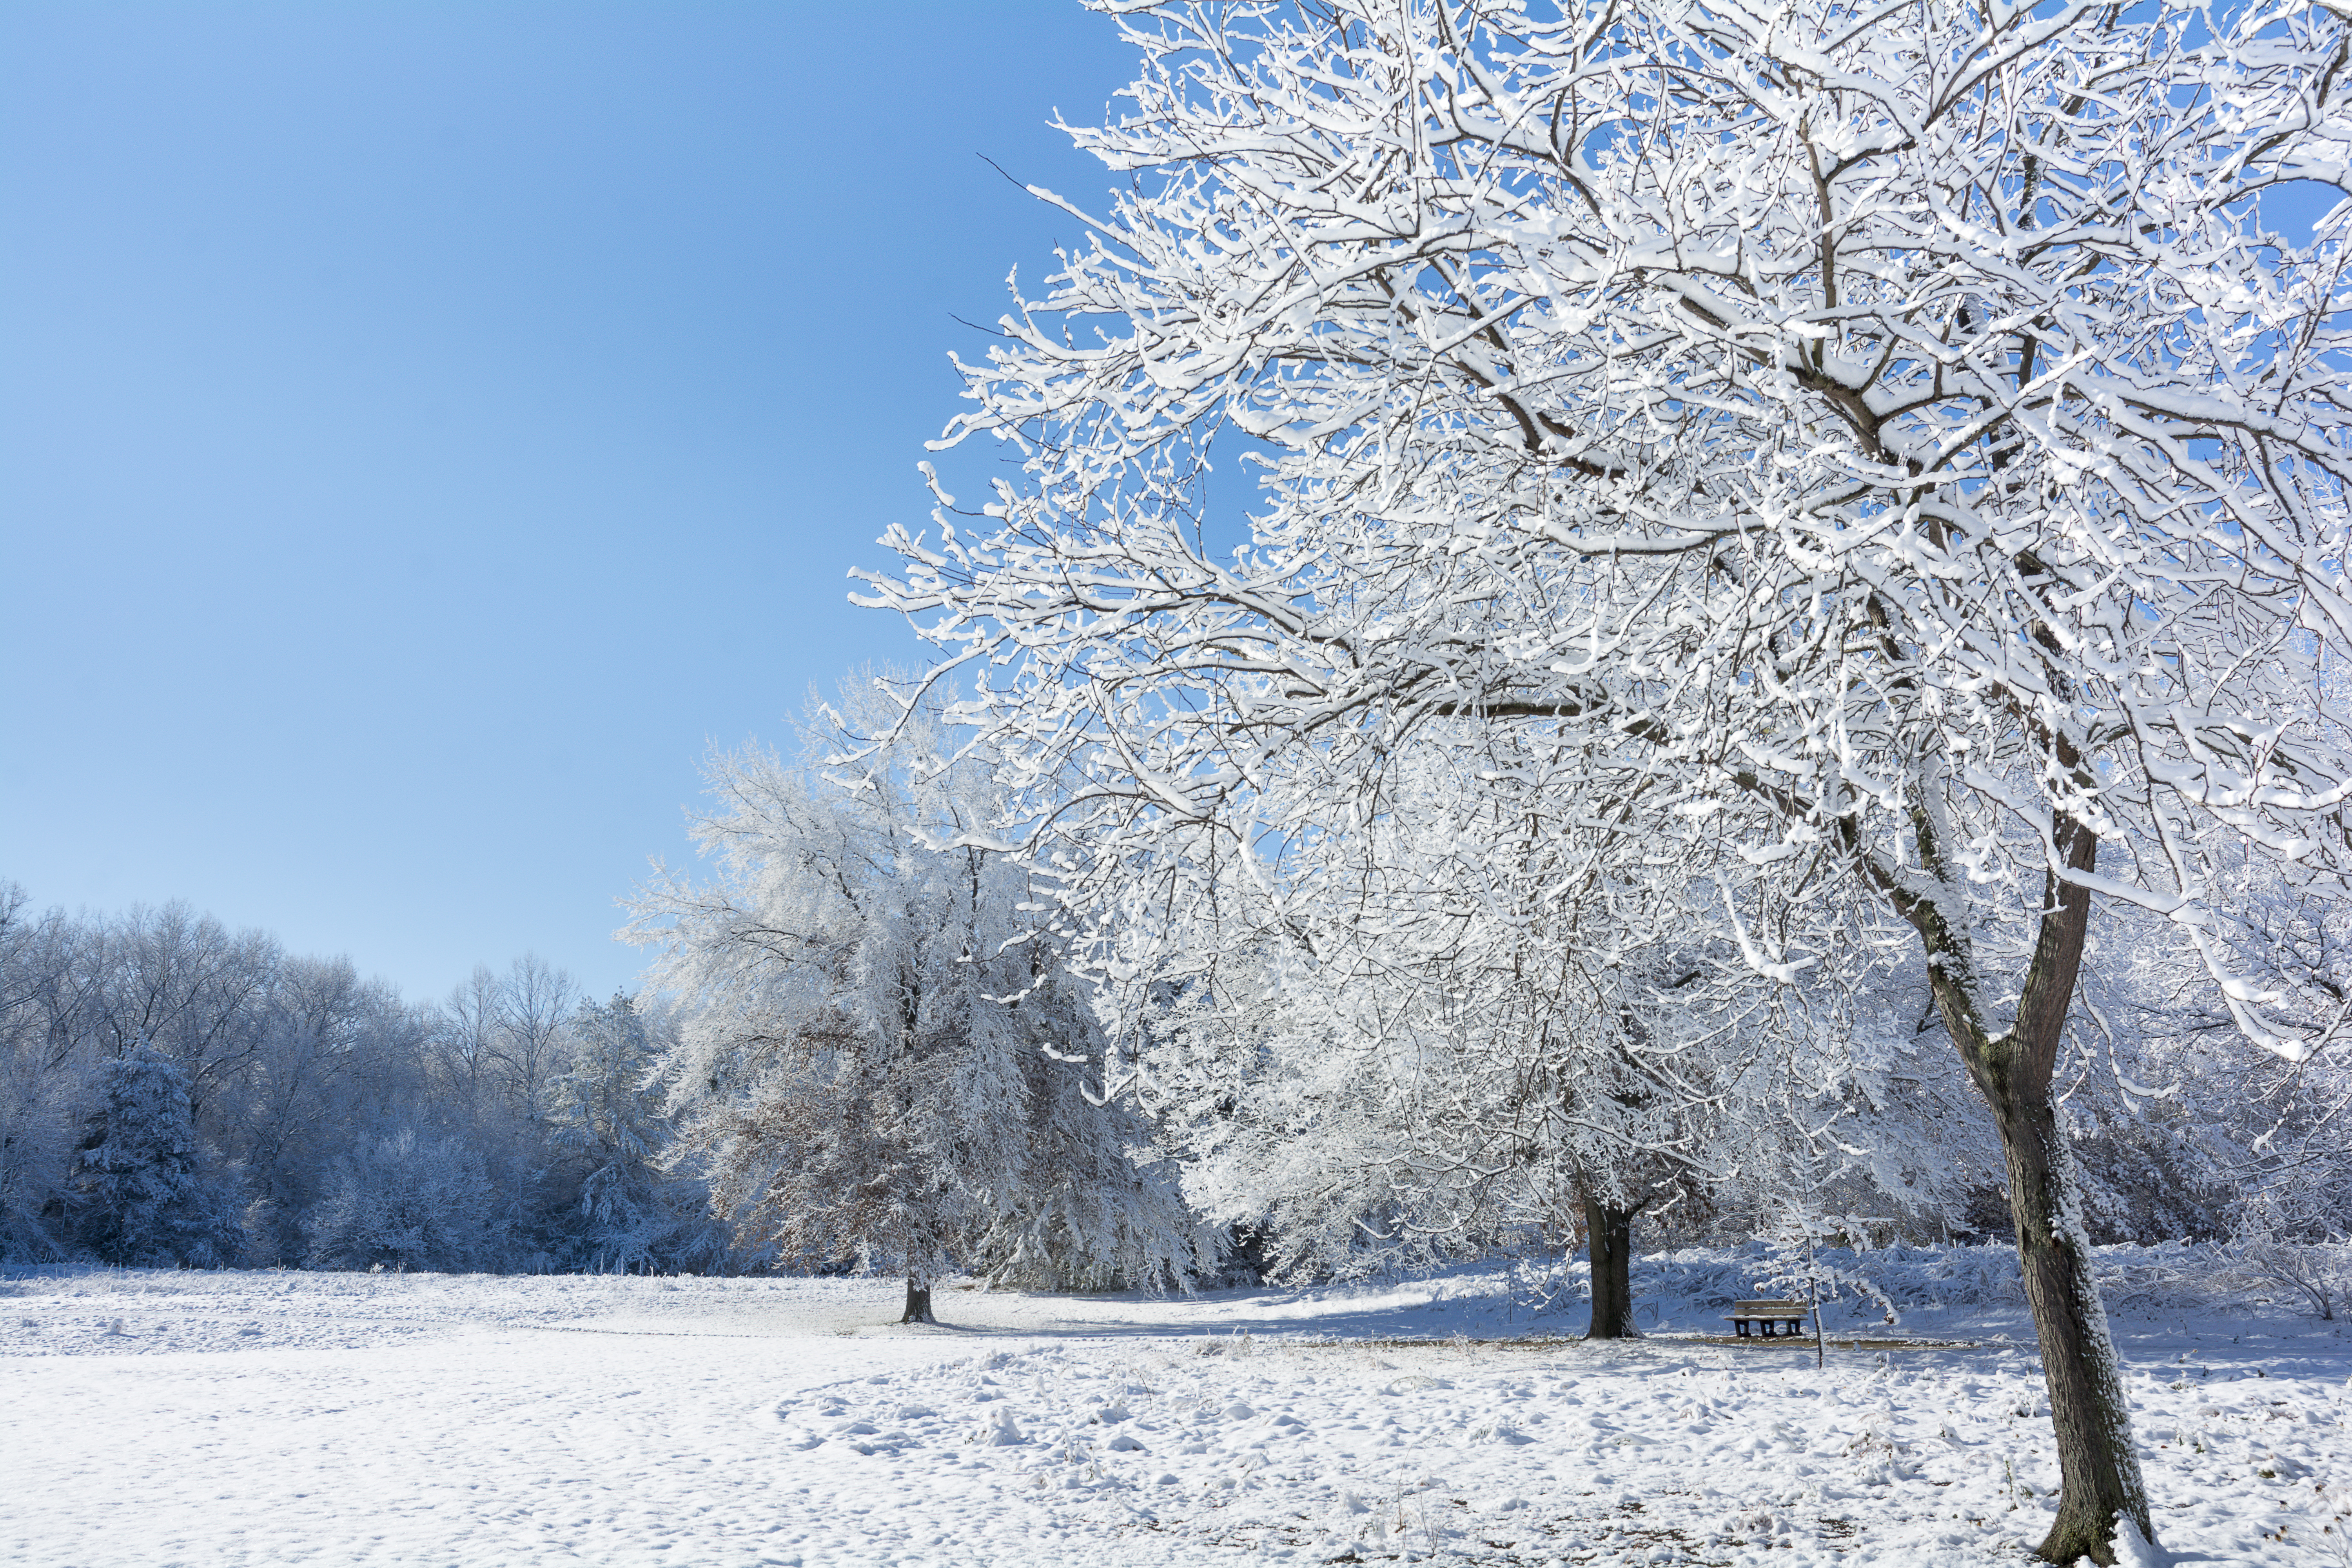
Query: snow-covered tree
column 1469, row 1021
column 1444, row 1018
column 634, row 1212
column 2179, row 1134
column 878, row 1048
column 184, row 984
column 141, row 1195
column 1890, row 441
column 39, row 1085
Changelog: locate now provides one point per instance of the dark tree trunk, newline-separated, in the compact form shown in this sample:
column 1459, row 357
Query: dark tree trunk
column 919, row 1300
column 2098, row 1470
column 1608, row 1233
column 2099, row 1478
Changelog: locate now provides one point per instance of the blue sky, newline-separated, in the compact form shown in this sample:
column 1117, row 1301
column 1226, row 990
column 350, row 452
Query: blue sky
column 426, row 428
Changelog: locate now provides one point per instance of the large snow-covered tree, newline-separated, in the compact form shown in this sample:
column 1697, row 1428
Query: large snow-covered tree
column 878, row 1053
column 1892, row 440
column 1468, row 1015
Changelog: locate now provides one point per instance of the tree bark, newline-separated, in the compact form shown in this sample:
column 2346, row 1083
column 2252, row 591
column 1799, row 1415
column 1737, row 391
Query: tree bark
column 2099, row 1477
column 919, row 1300
column 1609, row 1234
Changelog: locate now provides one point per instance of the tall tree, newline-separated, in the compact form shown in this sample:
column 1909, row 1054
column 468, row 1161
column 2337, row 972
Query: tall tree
column 1527, row 1014
column 40, row 1029
column 1891, row 438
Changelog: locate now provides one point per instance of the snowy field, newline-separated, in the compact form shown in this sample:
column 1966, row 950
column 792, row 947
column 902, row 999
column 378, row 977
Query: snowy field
column 201, row 1420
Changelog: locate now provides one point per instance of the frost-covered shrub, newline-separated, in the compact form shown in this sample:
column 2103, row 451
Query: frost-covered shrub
column 405, row 1202
column 2318, row 1275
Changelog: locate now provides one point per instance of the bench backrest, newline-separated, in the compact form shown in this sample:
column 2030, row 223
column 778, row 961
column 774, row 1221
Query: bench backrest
column 1766, row 1308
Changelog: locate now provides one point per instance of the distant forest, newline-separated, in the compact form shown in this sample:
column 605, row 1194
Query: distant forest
column 179, row 1093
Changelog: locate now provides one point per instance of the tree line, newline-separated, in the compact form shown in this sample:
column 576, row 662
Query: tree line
column 873, row 1037
column 177, row 1093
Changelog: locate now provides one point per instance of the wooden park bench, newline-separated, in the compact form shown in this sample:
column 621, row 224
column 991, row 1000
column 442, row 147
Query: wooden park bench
column 1770, row 1314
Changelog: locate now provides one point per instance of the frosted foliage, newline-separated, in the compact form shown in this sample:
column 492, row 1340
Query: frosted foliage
column 880, row 1057
column 2180, row 1132
column 139, row 1194
column 36, row 1101
column 1909, row 451
column 1880, row 461
column 1370, row 1105
column 402, row 1201
column 635, row 1212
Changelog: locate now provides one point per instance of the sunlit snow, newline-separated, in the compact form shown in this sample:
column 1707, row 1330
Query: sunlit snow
column 247, row 1418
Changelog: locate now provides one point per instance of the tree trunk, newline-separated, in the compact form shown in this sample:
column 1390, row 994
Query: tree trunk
column 919, row 1300
column 2099, row 1478
column 1609, row 1234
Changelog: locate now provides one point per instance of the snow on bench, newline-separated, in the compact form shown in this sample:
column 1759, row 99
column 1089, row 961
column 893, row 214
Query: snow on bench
column 1770, row 1314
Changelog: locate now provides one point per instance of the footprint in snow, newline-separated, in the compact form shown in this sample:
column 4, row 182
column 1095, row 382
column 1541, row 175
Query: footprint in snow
column 1496, row 1432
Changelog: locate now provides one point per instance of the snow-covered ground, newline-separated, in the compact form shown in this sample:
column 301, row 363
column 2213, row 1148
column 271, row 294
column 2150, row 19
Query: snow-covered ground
column 204, row 1420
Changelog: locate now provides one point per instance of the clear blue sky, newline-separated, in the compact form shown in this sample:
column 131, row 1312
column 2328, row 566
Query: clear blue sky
column 426, row 428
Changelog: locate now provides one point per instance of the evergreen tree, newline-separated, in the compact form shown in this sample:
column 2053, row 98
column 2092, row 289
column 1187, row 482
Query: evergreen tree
column 140, row 1191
